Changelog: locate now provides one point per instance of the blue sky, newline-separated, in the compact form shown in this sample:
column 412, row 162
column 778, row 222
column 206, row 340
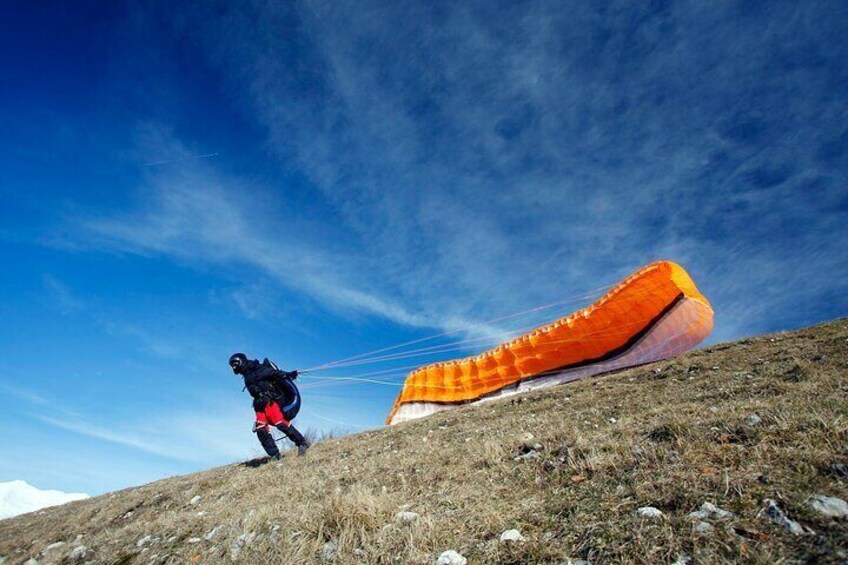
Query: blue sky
column 311, row 180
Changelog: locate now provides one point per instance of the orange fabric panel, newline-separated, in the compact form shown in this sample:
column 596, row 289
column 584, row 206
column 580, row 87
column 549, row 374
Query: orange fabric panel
column 588, row 334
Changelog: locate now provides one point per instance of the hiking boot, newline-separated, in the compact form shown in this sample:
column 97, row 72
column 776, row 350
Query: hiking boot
column 301, row 449
column 275, row 457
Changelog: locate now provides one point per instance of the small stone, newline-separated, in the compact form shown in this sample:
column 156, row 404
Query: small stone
column 702, row 527
column 529, row 456
column 328, row 551
column 683, row 559
column 201, row 514
column 511, row 535
column 753, row 420
column 578, row 562
column 195, row 500
column 840, row 470
column 171, row 539
column 451, row 557
column 774, row 514
column 238, row 545
column 829, row 506
column 144, row 541
column 211, row 533
column 649, row 512
column 194, row 540
column 78, row 553
column 406, row 516
column 30, row 562
column 710, row 511
column 52, row 547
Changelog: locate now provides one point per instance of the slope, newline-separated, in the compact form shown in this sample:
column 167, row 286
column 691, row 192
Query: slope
column 734, row 425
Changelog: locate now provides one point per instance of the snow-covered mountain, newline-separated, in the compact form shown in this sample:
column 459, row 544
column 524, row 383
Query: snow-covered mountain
column 19, row 497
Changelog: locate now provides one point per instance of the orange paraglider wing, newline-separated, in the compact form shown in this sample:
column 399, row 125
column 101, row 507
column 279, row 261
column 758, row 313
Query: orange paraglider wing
column 655, row 313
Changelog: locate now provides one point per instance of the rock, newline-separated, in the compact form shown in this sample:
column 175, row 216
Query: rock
column 171, row 539
column 195, row 499
column 30, row 562
column 451, row 557
column 406, row 516
column 702, row 527
column 577, row 562
column 275, row 532
column 753, row 420
column 531, row 455
column 194, row 540
column 710, row 511
column 52, row 546
column 829, row 506
column 78, row 553
column 683, row 559
column 511, row 535
column 328, row 552
column 143, row 541
column 201, row 514
column 840, row 470
column 240, row 543
column 211, row 534
column 775, row 515
column 649, row 512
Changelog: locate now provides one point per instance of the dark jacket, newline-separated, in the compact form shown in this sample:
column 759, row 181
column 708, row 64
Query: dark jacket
column 265, row 383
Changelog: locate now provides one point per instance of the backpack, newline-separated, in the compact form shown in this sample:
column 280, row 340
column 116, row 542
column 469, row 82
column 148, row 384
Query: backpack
column 288, row 392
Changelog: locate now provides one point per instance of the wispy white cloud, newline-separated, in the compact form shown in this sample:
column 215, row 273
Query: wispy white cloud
column 486, row 160
column 23, row 394
column 174, row 435
column 475, row 148
column 197, row 215
column 61, row 295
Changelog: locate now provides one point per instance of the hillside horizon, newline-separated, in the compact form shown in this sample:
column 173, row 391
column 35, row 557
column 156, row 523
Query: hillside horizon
column 735, row 452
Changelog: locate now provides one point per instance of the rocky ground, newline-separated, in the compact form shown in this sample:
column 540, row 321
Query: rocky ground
column 736, row 453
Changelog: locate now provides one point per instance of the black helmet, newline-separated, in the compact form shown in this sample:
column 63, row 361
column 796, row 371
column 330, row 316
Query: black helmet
column 237, row 362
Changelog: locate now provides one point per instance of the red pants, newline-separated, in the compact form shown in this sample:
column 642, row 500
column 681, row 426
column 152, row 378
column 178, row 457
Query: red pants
column 271, row 415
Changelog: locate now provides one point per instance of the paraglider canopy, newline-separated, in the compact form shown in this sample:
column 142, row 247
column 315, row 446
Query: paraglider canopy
column 655, row 313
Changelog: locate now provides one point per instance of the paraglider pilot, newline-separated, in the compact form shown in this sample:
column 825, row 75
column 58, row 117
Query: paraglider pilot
column 276, row 401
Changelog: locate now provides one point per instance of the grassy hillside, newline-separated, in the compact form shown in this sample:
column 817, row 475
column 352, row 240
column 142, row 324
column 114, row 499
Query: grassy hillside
column 733, row 425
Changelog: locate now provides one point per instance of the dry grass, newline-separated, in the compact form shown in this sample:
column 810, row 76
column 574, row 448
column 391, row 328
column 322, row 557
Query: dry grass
column 670, row 435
